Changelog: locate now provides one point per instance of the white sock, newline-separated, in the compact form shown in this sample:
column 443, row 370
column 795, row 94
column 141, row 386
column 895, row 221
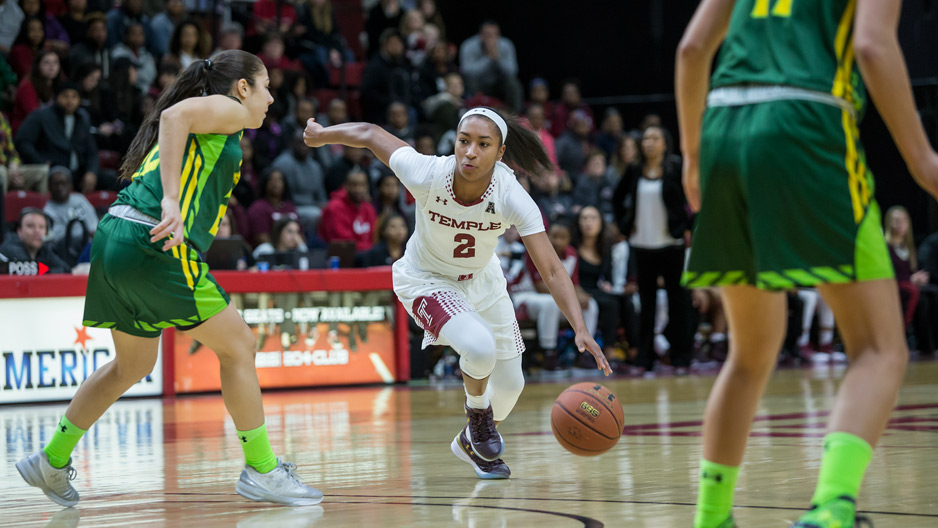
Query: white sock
column 825, row 337
column 803, row 340
column 717, row 337
column 478, row 402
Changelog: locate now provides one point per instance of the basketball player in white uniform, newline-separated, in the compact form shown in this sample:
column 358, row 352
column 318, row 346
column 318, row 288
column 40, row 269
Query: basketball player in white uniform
column 450, row 279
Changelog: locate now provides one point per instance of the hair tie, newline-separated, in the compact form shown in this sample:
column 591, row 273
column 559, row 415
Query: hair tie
column 208, row 64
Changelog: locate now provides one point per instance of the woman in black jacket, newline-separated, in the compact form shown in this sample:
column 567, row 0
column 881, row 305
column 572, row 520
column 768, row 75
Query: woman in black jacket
column 651, row 210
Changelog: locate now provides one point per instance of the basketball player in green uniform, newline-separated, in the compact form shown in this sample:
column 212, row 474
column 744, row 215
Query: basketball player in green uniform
column 774, row 164
column 146, row 272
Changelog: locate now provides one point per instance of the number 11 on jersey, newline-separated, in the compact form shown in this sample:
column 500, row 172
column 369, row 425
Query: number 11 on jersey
column 782, row 9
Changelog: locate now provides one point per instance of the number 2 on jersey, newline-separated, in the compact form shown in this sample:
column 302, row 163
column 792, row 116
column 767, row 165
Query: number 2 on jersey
column 466, row 247
column 782, row 9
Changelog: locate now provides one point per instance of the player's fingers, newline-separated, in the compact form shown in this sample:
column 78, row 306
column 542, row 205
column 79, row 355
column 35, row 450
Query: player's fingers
column 162, row 230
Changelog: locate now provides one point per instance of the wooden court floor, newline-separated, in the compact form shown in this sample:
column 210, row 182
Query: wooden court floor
column 382, row 457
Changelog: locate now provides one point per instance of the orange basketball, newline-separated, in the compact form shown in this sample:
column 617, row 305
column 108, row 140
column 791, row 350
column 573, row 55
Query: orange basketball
column 587, row 419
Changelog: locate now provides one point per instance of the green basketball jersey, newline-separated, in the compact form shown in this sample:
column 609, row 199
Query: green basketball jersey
column 211, row 167
column 802, row 43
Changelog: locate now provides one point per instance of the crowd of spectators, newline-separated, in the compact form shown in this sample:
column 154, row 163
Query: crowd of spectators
column 78, row 76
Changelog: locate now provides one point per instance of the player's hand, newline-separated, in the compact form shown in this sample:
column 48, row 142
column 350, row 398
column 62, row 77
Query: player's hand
column 691, row 181
column 170, row 226
column 926, row 173
column 311, row 134
column 585, row 342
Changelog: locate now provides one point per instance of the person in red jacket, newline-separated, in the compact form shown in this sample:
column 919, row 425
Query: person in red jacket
column 350, row 215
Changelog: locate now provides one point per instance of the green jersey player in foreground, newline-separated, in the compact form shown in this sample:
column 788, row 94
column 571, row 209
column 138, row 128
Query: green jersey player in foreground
column 773, row 162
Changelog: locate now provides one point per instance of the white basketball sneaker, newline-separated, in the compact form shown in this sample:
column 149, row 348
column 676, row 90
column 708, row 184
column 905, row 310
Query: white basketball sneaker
column 280, row 486
column 54, row 482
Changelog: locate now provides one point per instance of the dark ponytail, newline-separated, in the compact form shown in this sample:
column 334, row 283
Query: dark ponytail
column 203, row 77
column 524, row 148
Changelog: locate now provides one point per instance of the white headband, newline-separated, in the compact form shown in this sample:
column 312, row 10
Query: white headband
column 491, row 114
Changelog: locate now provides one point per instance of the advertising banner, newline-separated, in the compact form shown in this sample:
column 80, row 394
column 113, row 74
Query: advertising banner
column 303, row 339
column 47, row 353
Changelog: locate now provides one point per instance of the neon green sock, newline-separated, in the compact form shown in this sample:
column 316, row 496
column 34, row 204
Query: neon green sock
column 63, row 442
column 715, row 494
column 257, row 451
column 842, row 467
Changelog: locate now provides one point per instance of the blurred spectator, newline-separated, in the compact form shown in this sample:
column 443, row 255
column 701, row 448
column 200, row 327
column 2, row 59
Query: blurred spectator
column 626, row 153
column 94, row 46
column 386, row 78
column 246, row 190
column 539, row 93
column 272, row 205
column 8, row 82
column 11, row 18
column 433, row 73
column 13, row 174
column 574, row 144
column 537, row 119
column 350, row 215
column 490, row 66
column 28, row 245
column 385, row 15
column 651, row 211
column 61, row 135
column 31, row 39
column 73, row 21
column 423, row 141
column 443, row 108
column 432, row 15
column 166, row 74
column 398, row 122
column 74, row 220
column 305, row 178
column 230, row 36
column 650, row 120
column 118, row 18
column 918, row 299
column 285, row 236
column 611, row 131
column 126, row 104
column 296, row 88
column 36, row 89
column 162, row 25
column 411, row 30
column 186, row 45
column 303, row 111
column 596, row 185
column 594, row 251
column 532, row 299
column 269, row 140
column 709, row 305
column 317, row 17
column 570, row 100
column 272, row 54
column 275, row 16
column 554, row 204
column 134, row 48
column 336, row 113
column 351, row 158
column 390, row 200
column 57, row 38
column 392, row 237
column 95, row 96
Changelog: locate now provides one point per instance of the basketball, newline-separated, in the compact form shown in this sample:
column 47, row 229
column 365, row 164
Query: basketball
column 587, row 419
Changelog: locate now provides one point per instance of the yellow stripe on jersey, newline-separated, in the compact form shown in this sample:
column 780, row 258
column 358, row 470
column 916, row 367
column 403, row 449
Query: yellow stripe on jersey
column 859, row 192
column 194, row 164
column 179, row 253
column 149, row 163
column 782, row 8
column 843, row 39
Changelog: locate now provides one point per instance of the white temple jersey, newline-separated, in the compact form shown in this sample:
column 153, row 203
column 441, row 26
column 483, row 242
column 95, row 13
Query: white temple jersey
column 453, row 239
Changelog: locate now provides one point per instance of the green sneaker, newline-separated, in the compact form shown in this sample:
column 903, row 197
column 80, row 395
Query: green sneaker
column 835, row 513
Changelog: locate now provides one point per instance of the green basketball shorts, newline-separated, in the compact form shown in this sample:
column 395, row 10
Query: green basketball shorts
column 787, row 199
column 136, row 287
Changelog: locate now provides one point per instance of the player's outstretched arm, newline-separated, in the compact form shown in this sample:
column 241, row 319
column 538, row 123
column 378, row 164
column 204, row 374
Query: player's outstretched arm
column 561, row 288
column 880, row 59
column 362, row 135
column 691, row 78
column 213, row 114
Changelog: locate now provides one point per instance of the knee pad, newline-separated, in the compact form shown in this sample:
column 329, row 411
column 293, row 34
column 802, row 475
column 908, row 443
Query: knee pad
column 477, row 355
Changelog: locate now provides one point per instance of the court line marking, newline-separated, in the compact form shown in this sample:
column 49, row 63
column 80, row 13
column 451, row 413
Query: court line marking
column 616, row 501
column 587, row 521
